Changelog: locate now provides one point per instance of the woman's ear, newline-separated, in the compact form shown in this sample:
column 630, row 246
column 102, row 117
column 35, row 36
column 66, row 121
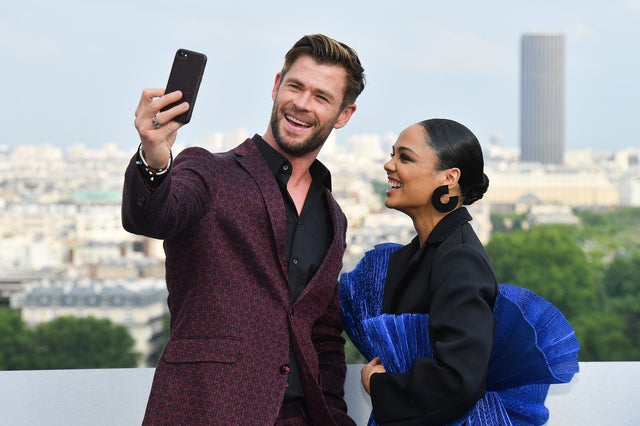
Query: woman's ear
column 453, row 176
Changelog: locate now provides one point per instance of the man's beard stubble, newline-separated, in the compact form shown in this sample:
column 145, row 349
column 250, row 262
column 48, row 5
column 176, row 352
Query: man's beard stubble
column 313, row 143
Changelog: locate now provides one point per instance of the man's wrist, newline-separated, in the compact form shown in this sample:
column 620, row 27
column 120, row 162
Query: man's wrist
column 152, row 171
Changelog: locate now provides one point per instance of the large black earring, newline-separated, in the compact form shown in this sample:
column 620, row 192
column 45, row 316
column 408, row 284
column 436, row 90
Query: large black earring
column 438, row 204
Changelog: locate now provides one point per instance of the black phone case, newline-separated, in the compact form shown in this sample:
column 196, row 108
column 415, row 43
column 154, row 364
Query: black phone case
column 186, row 74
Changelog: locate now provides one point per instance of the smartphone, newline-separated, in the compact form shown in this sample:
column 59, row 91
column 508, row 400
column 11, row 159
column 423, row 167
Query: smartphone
column 186, row 75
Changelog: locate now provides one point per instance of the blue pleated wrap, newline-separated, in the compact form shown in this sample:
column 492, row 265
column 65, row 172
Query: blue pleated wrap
column 534, row 344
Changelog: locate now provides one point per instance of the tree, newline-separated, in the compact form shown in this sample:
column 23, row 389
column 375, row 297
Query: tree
column 612, row 229
column 548, row 261
column 622, row 289
column 69, row 342
column 622, row 277
column 602, row 337
column 598, row 290
column 352, row 354
column 16, row 343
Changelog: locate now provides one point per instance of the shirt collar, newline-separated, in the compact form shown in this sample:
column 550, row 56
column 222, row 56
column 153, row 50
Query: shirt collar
column 281, row 167
column 448, row 223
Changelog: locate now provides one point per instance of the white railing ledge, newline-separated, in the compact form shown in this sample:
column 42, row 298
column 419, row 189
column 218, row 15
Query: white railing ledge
column 602, row 393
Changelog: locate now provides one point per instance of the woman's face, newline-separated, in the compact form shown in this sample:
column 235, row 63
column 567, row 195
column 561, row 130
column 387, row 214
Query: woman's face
column 412, row 173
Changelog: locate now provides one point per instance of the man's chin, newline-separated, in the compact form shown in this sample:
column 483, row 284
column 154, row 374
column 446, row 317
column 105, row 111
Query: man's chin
column 293, row 149
column 298, row 147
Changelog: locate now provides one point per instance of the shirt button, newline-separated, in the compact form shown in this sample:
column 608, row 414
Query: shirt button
column 295, row 261
column 285, row 167
column 285, row 368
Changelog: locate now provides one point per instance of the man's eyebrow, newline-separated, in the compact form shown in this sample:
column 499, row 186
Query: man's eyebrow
column 316, row 91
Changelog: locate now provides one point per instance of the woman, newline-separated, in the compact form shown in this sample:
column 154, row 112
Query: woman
column 436, row 166
column 424, row 313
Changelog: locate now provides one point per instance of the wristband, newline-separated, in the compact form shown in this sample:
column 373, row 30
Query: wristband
column 151, row 170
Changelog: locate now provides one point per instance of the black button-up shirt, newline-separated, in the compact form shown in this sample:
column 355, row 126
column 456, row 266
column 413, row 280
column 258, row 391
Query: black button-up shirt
column 308, row 234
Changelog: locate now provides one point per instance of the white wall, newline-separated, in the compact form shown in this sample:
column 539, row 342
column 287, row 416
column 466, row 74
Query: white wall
column 602, row 393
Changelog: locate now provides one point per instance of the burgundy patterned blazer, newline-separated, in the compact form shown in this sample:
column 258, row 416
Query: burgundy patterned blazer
column 222, row 220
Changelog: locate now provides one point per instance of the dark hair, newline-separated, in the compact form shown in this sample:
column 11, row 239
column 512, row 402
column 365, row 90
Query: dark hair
column 456, row 146
column 325, row 50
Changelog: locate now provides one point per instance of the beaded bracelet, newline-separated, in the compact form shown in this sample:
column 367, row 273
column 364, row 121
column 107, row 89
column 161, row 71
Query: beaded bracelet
column 151, row 170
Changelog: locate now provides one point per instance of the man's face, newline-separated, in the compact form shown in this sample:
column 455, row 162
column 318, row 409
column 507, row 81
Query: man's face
column 306, row 106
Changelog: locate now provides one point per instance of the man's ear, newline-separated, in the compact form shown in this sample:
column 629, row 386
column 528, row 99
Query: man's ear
column 276, row 86
column 344, row 116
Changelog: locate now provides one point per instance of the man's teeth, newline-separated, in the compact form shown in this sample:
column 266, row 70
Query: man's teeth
column 394, row 185
column 295, row 120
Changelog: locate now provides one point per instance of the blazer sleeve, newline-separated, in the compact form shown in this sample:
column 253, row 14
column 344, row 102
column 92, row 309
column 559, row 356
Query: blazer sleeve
column 461, row 324
column 177, row 203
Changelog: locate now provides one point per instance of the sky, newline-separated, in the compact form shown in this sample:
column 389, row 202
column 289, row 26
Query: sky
column 72, row 72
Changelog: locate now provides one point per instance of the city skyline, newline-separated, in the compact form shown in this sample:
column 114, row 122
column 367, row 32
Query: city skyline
column 73, row 72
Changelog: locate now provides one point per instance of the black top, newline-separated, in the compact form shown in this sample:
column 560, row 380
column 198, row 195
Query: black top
column 451, row 279
column 308, row 234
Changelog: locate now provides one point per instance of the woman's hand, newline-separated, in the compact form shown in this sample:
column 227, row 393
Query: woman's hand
column 375, row 366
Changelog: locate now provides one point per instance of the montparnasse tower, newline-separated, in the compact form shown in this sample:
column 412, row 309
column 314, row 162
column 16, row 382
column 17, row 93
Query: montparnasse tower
column 542, row 98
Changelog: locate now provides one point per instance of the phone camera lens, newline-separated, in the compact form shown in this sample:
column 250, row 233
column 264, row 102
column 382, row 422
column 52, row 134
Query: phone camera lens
column 182, row 54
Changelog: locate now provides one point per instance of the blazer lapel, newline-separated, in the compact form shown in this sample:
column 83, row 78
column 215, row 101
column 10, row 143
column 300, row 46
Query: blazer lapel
column 250, row 158
column 402, row 263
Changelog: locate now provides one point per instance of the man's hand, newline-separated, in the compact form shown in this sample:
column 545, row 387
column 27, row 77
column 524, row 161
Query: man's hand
column 156, row 129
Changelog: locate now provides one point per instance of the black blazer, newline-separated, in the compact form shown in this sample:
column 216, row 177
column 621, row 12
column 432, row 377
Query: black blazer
column 451, row 279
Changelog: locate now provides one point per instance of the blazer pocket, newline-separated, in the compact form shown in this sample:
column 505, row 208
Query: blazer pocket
column 218, row 349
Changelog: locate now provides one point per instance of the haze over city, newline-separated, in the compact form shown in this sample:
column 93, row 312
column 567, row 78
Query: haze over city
column 73, row 71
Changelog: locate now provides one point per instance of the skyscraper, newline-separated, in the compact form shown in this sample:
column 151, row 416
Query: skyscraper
column 542, row 98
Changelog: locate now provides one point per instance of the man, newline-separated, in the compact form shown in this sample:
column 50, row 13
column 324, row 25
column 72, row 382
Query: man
column 254, row 243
